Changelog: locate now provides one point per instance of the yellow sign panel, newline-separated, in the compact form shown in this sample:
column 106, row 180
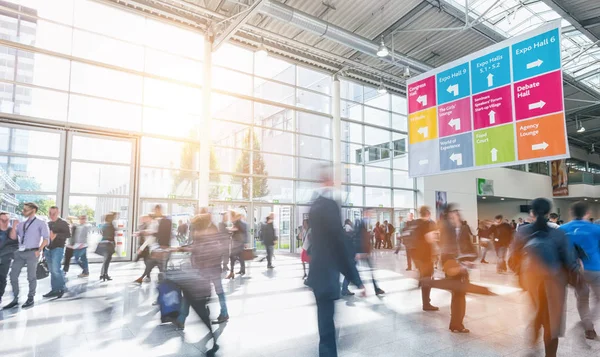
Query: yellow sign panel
column 422, row 126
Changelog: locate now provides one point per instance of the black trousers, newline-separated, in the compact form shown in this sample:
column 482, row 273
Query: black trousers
column 425, row 273
column 458, row 309
column 325, row 312
column 4, row 267
column 236, row 254
column 107, row 259
column 68, row 256
column 409, row 258
column 542, row 320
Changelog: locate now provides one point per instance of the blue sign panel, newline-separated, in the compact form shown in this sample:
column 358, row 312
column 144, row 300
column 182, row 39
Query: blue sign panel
column 490, row 71
column 423, row 158
column 536, row 55
column 453, row 84
column 456, row 152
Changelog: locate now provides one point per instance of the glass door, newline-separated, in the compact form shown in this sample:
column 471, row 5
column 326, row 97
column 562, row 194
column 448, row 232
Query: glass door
column 283, row 225
column 99, row 178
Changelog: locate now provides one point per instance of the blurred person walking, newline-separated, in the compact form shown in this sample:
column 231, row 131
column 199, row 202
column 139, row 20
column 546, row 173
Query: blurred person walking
column 269, row 239
column 108, row 240
column 147, row 230
column 59, row 232
column 304, row 257
column 223, row 229
column 408, row 240
column 329, row 258
column 239, row 233
column 389, row 230
column 586, row 236
column 8, row 246
column 553, row 221
column 77, row 247
column 544, row 261
column 379, row 234
column 484, row 239
column 503, row 235
column 33, row 236
column 425, row 237
column 182, row 232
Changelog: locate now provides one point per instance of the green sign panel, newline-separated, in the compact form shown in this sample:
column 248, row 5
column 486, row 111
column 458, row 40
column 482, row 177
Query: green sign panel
column 275, row 201
column 485, row 187
column 494, row 145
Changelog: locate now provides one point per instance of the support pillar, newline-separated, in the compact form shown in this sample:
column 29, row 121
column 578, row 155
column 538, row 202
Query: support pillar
column 205, row 125
column 336, row 135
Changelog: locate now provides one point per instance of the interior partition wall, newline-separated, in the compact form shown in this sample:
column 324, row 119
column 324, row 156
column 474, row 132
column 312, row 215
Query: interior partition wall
column 122, row 113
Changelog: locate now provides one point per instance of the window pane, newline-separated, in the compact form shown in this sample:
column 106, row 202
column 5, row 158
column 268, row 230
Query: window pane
column 351, row 110
column 234, row 57
column 41, row 70
column 273, row 117
column 102, row 82
column 231, row 108
column 313, row 124
column 230, row 160
column 174, row 39
column 170, row 123
column 48, row 36
column 305, row 191
column 399, row 104
column 164, row 183
column 313, row 101
column 60, row 10
column 231, row 81
column 274, row 91
column 41, row 103
column 374, row 99
column 400, row 161
column 352, row 174
column 99, row 178
column 377, row 117
column 317, row 148
column 310, row 169
column 377, row 137
column 6, row 98
column 169, row 154
column 107, row 50
column 317, row 81
column 378, row 197
column 7, row 61
column 352, row 153
column 29, row 142
column 269, row 190
column 96, row 208
column 402, row 180
column 229, row 134
column 351, row 132
column 377, row 177
column 351, row 91
column 352, row 196
column 227, row 187
column 105, row 113
column 31, row 174
column 92, row 16
column 273, row 141
column 273, row 165
column 172, row 96
column 171, row 66
column 404, row 199
column 399, row 122
column 99, row 149
column 276, row 69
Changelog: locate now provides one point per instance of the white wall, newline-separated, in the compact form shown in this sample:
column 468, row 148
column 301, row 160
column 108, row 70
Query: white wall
column 509, row 209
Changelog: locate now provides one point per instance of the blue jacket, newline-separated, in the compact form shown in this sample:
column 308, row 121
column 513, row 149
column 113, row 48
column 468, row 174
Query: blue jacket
column 329, row 253
column 586, row 235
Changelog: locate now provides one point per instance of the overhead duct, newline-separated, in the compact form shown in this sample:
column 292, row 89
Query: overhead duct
column 331, row 32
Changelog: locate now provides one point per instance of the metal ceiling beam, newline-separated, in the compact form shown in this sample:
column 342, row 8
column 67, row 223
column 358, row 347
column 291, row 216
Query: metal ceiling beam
column 594, row 21
column 236, row 23
column 562, row 10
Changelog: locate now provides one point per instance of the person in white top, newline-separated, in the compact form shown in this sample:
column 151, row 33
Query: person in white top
column 553, row 221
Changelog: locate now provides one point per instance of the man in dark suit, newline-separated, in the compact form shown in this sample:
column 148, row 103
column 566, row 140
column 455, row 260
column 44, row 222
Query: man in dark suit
column 328, row 258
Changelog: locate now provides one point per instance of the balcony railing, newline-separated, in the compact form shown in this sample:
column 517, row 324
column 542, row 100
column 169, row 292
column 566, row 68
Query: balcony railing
column 584, row 178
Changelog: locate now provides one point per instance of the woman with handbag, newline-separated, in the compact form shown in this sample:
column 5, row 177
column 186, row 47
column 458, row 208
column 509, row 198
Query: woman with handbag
column 108, row 241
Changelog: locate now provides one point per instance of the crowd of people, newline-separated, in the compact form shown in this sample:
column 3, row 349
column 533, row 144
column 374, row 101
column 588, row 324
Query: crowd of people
column 546, row 254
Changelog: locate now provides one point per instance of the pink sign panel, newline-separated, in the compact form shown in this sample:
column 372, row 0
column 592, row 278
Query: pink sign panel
column 492, row 108
column 538, row 96
column 454, row 117
column 421, row 95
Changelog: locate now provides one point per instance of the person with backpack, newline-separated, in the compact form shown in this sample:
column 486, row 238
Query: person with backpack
column 502, row 234
column 586, row 236
column 268, row 237
column 545, row 262
column 425, row 237
column 408, row 240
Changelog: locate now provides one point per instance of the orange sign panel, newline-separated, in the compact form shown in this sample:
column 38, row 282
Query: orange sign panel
column 422, row 126
column 541, row 137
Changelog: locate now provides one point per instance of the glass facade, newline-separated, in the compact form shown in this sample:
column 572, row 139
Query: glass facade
column 136, row 87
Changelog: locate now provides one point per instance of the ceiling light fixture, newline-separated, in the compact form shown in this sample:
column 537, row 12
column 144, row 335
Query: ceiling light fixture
column 502, row 199
column 382, row 51
column 585, row 199
column 262, row 53
column 483, row 198
column 406, row 72
column 381, row 89
column 580, row 127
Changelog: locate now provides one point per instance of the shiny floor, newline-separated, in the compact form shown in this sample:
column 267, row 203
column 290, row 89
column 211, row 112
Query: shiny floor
column 273, row 314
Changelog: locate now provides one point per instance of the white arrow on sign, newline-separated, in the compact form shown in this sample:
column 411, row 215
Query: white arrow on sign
column 494, row 155
column 423, row 162
column 422, row 99
column 537, row 105
column 424, row 131
column 455, row 123
column 456, row 158
column 492, row 115
column 534, row 64
column 453, row 89
column 490, row 79
column 541, row 146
